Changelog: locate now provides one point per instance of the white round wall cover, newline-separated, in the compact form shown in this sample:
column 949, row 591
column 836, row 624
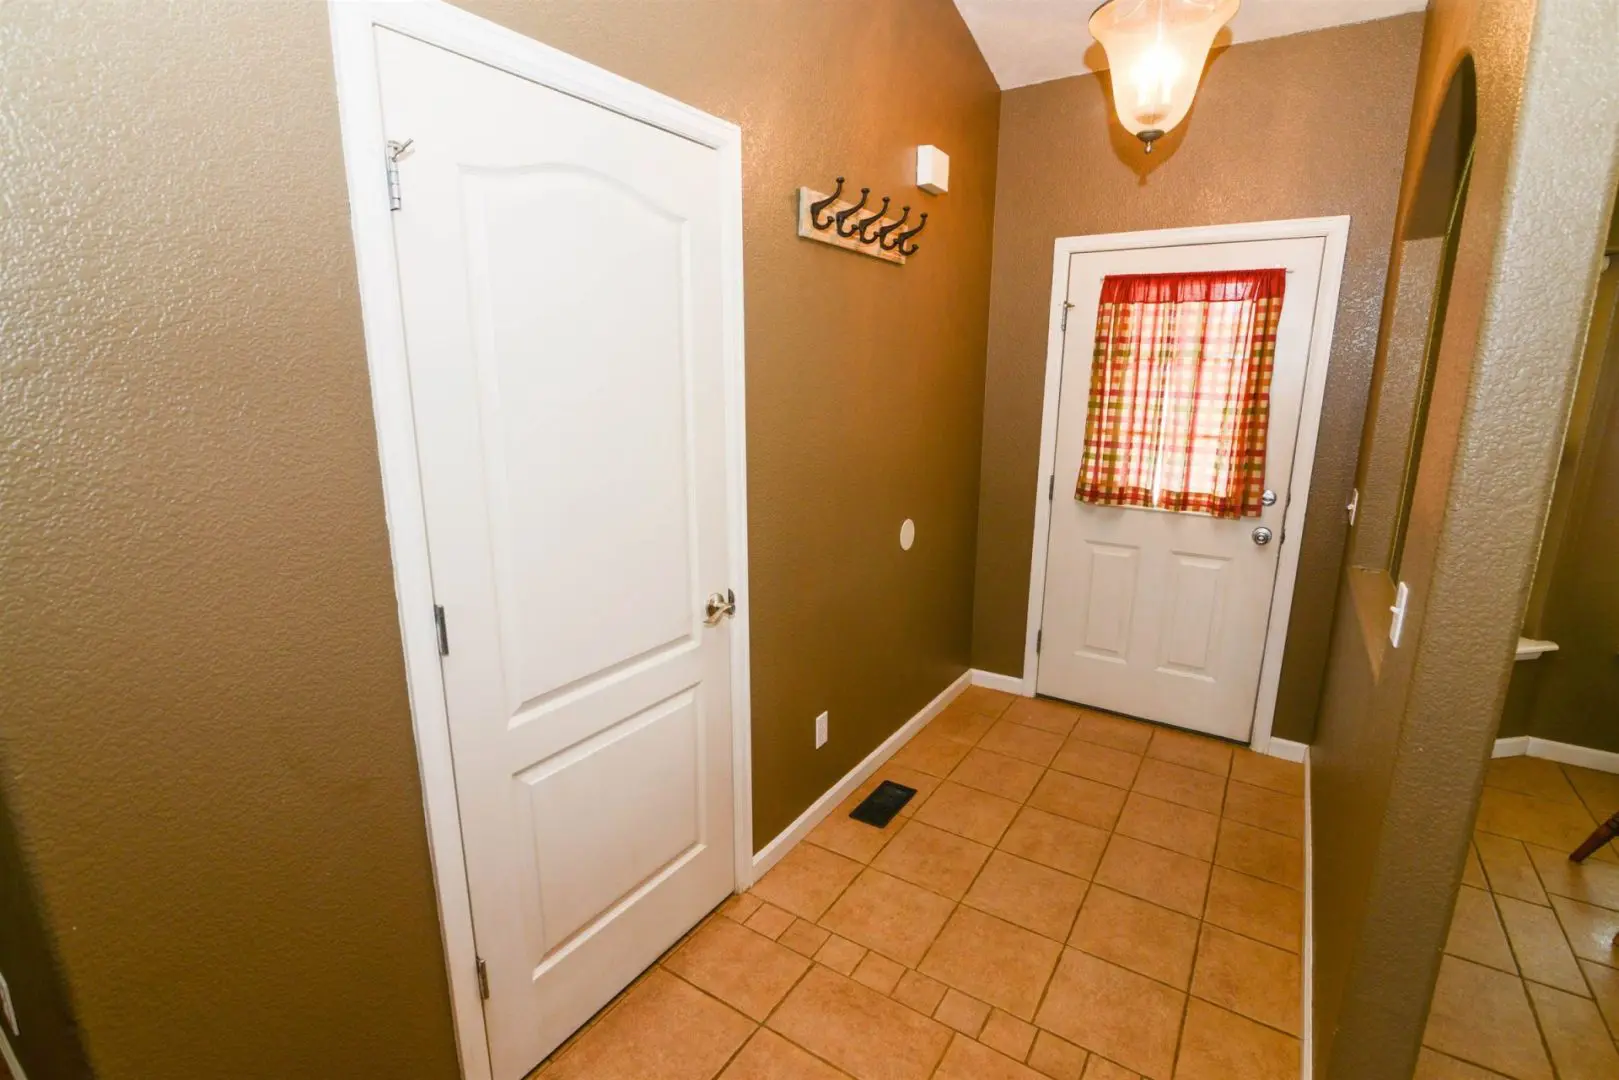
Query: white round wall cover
column 907, row 534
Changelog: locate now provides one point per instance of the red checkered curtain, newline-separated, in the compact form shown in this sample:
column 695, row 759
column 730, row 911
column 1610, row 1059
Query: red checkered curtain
column 1180, row 391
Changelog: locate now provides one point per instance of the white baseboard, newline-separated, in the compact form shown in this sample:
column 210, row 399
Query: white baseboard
column 1288, row 750
column 1011, row 684
column 1517, row 746
column 1564, row 753
column 788, row 838
column 1569, row 754
column 1307, row 949
column 10, row 1058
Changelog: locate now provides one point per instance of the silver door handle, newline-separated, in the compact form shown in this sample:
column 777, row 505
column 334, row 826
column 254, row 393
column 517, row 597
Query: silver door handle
column 720, row 606
column 1262, row 536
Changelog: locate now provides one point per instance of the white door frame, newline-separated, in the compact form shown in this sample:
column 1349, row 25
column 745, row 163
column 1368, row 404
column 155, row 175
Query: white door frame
column 1335, row 232
column 360, row 109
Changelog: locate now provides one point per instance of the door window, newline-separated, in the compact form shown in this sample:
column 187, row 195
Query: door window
column 1179, row 400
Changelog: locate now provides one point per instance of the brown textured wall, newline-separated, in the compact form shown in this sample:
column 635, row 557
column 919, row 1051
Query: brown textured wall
column 49, row 1045
column 1258, row 145
column 1404, row 734
column 865, row 381
column 1572, row 695
column 1577, row 697
column 205, row 740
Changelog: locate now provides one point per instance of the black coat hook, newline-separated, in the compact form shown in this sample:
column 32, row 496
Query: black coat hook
column 921, row 223
column 846, row 214
column 866, row 223
column 882, row 233
column 817, row 207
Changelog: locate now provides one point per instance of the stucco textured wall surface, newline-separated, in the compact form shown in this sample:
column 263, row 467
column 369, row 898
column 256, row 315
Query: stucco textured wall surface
column 205, row 743
column 1256, row 147
column 1405, row 733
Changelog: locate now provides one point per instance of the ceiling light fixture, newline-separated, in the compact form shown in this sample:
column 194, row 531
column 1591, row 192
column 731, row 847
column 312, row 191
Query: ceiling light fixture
column 1156, row 50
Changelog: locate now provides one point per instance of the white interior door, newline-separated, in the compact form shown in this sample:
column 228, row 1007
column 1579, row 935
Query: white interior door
column 1153, row 613
column 559, row 265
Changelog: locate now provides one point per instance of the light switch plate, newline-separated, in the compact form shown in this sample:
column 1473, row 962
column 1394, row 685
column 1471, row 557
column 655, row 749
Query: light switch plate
column 820, row 731
column 1402, row 597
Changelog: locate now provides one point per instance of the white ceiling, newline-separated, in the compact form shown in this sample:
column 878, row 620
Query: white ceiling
column 1032, row 41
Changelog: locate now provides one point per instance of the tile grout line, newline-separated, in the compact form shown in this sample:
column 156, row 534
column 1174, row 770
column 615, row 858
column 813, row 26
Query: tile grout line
column 1186, row 1004
column 1529, row 999
column 957, row 904
column 1090, row 881
column 1584, row 976
column 1523, row 980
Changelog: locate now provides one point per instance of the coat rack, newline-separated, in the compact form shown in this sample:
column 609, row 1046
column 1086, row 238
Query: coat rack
column 834, row 220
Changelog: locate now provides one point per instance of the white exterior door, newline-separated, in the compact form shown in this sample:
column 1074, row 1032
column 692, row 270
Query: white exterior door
column 559, row 265
column 1152, row 613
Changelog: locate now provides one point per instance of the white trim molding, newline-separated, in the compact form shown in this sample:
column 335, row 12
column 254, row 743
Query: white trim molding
column 9, row 1056
column 1516, row 746
column 353, row 24
column 989, row 680
column 1563, row 753
column 1334, row 233
column 788, row 838
column 1288, row 750
column 1307, row 948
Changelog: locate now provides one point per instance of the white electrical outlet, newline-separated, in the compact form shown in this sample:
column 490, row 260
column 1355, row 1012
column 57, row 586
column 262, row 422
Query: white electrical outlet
column 820, row 731
column 7, row 1009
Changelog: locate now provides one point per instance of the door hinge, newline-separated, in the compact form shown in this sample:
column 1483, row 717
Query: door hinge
column 1051, row 488
column 393, row 152
column 1065, row 307
column 443, row 630
column 1039, row 639
column 483, row 979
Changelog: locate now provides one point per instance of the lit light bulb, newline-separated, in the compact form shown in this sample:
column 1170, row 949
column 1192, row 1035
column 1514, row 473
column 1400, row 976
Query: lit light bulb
column 1153, row 77
column 1157, row 49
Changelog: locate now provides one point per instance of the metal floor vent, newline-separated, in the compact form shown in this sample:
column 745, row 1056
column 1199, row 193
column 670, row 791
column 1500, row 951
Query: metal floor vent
column 881, row 805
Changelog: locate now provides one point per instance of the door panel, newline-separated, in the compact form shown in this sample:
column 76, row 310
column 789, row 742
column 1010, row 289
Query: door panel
column 1173, row 631
column 1196, row 589
column 559, row 268
column 545, row 245
column 1111, row 599
column 625, row 841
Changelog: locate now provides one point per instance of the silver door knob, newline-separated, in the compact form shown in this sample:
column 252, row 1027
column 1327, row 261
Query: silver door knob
column 720, row 606
column 1262, row 536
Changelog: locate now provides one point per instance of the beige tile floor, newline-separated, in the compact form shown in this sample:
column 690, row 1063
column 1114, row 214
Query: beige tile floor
column 1529, row 984
column 1071, row 895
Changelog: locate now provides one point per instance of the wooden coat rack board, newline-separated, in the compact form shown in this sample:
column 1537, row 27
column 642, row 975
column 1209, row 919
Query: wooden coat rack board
column 853, row 226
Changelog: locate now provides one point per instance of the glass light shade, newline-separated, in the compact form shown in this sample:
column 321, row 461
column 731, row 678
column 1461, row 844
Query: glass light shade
column 1156, row 50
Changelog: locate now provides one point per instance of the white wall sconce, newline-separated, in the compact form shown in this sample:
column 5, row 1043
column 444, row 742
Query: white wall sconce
column 1156, row 50
column 932, row 170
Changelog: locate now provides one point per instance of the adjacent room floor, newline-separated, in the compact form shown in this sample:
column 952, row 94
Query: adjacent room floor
column 1529, row 986
column 1070, row 895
